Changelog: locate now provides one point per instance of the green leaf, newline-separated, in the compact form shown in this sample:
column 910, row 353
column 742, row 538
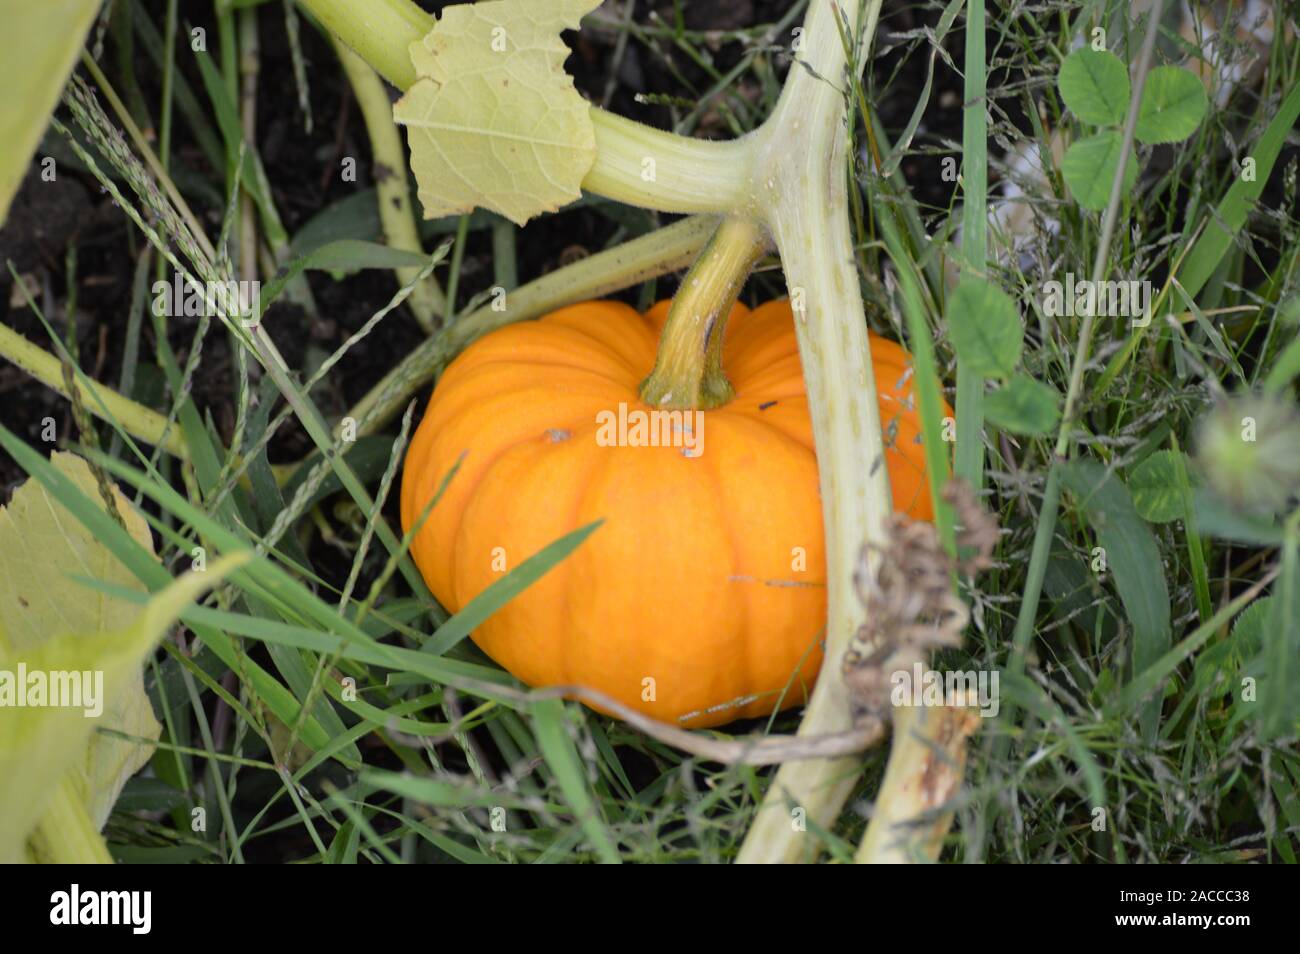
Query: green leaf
column 1248, row 627
column 1217, row 518
column 368, row 456
column 350, row 255
column 1094, row 84
column 1023, row 406
column 343, row 849
column 1090, row 165
column 38, row 48
column 1157, row 492
column 1135, row 566
column 984, row 327
column 51, row 624
column 1173, row 105
column 493, row 120
column 355, row 216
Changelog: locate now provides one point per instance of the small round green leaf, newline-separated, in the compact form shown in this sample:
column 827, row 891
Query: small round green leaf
column 1249, row 627
column 1023, row 406
column 1089, row 168
column 1173, row 105
column 1155, row 487
column 1094, row 84
column 984, row 327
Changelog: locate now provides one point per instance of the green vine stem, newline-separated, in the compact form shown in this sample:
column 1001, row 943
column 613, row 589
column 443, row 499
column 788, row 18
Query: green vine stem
column 103, row 402
column 686, row 175
column 665, row 250
column 801, row 179
column 379, row 31
column 689, row 175
column 688, row 370
column 926, row 764
column 969, row 463
column 426, row 300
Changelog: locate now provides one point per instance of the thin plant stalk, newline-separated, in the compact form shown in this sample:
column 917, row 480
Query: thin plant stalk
column 392, row 191
column 137, row 420
column 969, row 463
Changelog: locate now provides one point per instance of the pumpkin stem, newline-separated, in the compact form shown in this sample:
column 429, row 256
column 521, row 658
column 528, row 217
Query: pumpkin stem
column 688, row 370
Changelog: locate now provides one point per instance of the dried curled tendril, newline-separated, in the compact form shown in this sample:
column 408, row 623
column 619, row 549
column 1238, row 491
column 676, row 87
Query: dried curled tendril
column 912, row 606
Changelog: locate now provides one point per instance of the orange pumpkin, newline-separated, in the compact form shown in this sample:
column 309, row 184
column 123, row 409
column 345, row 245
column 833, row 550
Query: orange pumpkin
column 703, row 593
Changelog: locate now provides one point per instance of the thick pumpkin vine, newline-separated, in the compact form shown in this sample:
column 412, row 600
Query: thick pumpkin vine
column 477, row 141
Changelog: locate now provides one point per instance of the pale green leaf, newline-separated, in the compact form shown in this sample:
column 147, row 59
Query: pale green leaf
column 51, row 623
column 1173, row 105
column 38, row 47
column 1217, row 517
column 1090, row 165
column 40, row 543
column 984, row 327
column 493, row 120
column 1095, row 86
column 1023, row 406
column 1157, row 493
